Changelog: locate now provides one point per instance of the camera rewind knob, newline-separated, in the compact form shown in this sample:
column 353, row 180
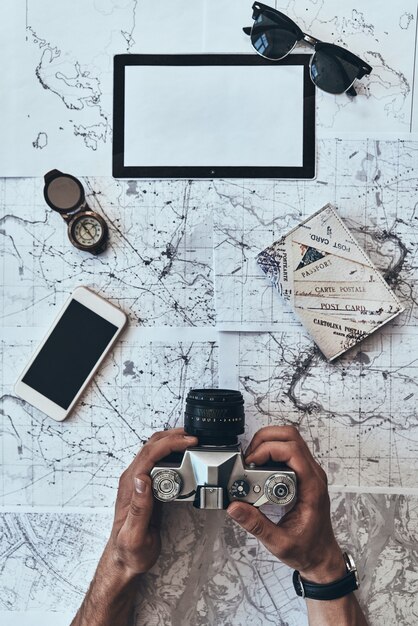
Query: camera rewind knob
column 166, row 485
column 280, row 489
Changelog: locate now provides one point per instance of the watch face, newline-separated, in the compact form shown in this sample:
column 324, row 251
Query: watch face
column 87, row 231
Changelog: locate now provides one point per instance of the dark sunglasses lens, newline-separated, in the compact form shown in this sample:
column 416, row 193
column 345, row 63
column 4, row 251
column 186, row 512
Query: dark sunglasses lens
column 331, row 72
column 272, row 37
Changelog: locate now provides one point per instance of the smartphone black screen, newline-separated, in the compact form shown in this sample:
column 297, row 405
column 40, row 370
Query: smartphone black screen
column 69, row 354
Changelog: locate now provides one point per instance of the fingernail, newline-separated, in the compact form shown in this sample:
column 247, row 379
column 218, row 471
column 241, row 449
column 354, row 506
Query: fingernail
column 189, row 438
column 140, row 485
column 237, row 513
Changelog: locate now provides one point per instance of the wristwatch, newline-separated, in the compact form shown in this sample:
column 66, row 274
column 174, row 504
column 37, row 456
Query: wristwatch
column 86, row 229
column 329, row 591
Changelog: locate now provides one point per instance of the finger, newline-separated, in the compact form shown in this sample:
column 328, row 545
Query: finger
column 255, row 522
column 165, row 433
column 134, row 467
column 284, row 451
column 156, row 450
column 290, row 452
column 284, row 433
column 140, row 509
column 273, row 433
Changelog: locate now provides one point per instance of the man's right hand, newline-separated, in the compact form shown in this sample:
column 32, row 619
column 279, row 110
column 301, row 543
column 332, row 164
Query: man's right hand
column 303, row 539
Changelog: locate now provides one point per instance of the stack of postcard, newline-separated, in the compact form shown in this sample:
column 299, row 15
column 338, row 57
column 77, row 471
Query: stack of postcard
column 330, row 282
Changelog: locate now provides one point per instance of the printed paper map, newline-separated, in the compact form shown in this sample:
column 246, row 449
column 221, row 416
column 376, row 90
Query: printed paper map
column 59, row 76
column 357, row 415
column 229, row 578
column 158, row 266
column 181, row 262
column 370, row 183
column 141, row 389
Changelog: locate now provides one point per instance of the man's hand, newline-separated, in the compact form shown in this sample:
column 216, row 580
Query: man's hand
column 135, row 539
column 134, row 543
column 303, row 539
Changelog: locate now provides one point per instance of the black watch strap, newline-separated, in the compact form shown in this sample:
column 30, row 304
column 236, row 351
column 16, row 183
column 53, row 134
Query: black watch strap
column 330, row 591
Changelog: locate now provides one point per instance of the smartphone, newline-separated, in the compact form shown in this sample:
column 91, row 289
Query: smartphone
column 68, row 357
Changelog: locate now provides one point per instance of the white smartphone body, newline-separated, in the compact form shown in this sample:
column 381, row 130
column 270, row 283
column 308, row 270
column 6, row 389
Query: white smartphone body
column 68, row 357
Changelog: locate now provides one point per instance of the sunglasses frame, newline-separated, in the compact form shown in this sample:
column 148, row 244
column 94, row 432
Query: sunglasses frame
column 363, row 67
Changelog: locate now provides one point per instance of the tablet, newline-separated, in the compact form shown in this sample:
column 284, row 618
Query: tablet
column 213, row 116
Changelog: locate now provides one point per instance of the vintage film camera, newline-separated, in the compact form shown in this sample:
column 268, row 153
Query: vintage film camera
column 214, row 473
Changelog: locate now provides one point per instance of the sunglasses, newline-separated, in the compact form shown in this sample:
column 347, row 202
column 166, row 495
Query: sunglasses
column 332, row 68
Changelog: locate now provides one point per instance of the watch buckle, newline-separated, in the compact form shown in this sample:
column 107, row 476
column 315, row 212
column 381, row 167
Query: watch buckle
column 302, row 588
column 351, row 566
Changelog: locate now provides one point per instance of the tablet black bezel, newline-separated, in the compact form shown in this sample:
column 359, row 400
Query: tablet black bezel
column 306, row 171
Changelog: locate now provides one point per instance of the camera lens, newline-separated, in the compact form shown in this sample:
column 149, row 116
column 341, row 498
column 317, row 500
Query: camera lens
column 215, row 416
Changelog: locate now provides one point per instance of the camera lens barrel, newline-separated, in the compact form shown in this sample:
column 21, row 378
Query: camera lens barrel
column 215, row 416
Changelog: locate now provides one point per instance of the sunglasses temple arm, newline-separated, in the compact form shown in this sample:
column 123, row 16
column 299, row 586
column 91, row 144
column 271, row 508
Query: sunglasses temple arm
column 247, row 30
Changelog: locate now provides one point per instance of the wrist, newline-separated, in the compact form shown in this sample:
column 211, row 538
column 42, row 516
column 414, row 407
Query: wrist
column 329, row 568
column 115, row 571
column 111, row 594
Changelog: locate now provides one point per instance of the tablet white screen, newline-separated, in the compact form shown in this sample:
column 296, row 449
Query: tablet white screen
column 208, row 115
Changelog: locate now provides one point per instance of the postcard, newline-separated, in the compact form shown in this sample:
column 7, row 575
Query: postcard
column 330, row 282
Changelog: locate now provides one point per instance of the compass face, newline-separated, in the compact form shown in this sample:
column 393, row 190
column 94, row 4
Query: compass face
column 87, row 231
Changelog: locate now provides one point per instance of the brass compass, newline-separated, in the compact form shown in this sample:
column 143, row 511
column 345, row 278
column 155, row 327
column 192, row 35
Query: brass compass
column 87, row 230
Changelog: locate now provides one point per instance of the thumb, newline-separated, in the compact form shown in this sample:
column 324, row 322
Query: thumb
column 256, row 523
column 140, row 508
